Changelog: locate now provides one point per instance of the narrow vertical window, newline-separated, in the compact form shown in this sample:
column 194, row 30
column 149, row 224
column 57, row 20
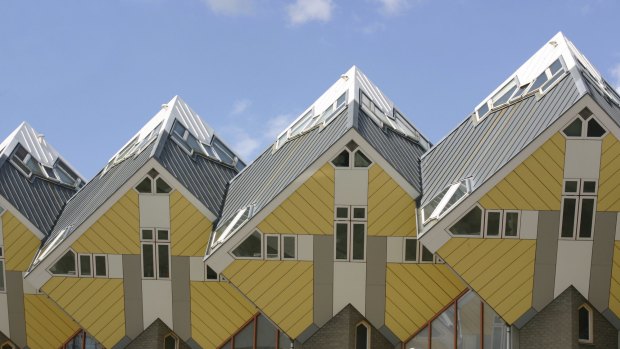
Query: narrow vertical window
column 586, row 219
column 493, row 223
column 171, row 342
column 511, row 224
column 289, row 247
column 101, row 265
column 359, row 241
column 272, row 247
column 2, row 276
column 585, row 324
column 426, row 254
column 163, row 255
column 342, row 243
column 85, row 265
column 411, row 250
column 148, row 261
column 569, row 217
column 362, row 336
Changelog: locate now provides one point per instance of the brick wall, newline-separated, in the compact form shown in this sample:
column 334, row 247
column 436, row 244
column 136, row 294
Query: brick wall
column 153, row 337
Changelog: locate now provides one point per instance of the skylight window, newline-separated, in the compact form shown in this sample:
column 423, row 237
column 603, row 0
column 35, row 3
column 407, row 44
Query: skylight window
column 28, row 165
column 446, row 200
column 231, row 226
column 217, row 150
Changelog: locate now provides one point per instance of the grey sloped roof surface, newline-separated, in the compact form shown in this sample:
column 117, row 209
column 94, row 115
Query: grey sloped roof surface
column 479, row 151
column 271, row 172
column 399, row 151
column 39, row 200
column 98, row 191
column 205, row 178
column 601, row 99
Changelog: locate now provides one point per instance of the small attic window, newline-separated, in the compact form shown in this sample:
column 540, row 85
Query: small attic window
column 66, row 265
column 342, row 160
column 251, row 247
column 446, row 200
column 584, row 126
column 360, row 160
column 24, row 161
column 153, row 183
column 231, row 226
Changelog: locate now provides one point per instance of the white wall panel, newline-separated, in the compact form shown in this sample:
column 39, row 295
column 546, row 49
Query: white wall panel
column 573, row 266
column 529, row 225
column 582, row 159
column 305, row 247
column 351, row 187
column 115, row 266
column 349, row 286
column 157, row 301
column 155, row 211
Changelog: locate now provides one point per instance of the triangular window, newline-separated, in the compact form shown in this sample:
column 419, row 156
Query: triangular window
column 145, row 186
column 65, row 265
column 361, row 160
column 152, row 183
column 162, row 187
column 574, row 129
column 585, row 126
column 251, row 247
column 342, row 160
column 469, row 224
column 595, row 129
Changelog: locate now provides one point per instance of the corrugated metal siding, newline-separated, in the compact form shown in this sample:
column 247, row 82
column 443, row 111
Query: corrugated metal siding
column 403, row 154
column 39, row 200
column 268, row 175
column 98, row 191
column 478, row 151
column 206, row 179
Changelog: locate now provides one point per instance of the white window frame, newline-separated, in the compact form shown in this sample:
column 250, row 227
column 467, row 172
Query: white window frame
column 564, row 192
column 155, row 242
column 365, row 224
column 94, row 266
column 3, row 269
column 217, row 275
column 282, row 237
column 584, row 128
column 336, row 218
column 420, row 250
column 153, row 185
column 582, row 184
column 417, row 257
column 504, row 218
column 79, row 265
column 365, row 324
column 352, row 160
column 262, row 246
column 438, row 211
column 278, row 244
column 482, row 223
column 579, row 196
column 485, row 224
column 590, row 324
column 352, row 216
column 348, row 224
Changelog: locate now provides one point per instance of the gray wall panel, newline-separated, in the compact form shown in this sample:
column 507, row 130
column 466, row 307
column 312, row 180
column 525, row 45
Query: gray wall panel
column 15, row 296
column 375, row 280
column 602, row 259
column 132, row 285
column 546, row 256
column 181, row 313
column 323, row 278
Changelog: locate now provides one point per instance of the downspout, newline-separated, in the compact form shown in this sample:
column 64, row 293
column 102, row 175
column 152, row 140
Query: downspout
column 508, row 337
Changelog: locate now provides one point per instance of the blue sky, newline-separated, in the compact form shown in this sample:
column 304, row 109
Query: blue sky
column 89, row 74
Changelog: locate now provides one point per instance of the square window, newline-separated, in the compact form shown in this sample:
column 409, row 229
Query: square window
column 589, row 187
column 359, row 212
column 163, row 235
column 571, row 186
column 147, row 234
column 342, row 212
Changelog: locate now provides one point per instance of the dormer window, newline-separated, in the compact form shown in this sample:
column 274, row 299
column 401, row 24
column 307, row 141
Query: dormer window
column 153, row 184
column 584, row 126
column 230, row 226
column 351, row 159
column 444, row 201
column 25, row 162
column 28, row 165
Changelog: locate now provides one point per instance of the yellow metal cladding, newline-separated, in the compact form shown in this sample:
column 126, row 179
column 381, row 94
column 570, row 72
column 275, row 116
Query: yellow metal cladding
column 282, row 290
column 20, row 244
column 96, row 304
column 609, row 180
column 536, row 184
column 501, row 271
column 218, row 311
column 391, row 211
column 415, row 293
column 47, row 326
column 116, row 232
column 190, row 229
column 309, row 210
column 614, row 294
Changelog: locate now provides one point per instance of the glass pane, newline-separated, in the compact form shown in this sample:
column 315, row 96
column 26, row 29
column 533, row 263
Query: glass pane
column 163, row 235
column 574, row 129
column 493, row 223
column 147, row 234
column 494, row 330
column 2, row 284
column 358, row 241
column 228, row 345
column 411, row 250
column 285, row 341
column 170, row 342
column 587, row 218
column 584, row 324
column 288, row 247
column 342, row 160
column 571, row 186
column 147, row 261
column 551, row 81
column 351, row 145
column 342, row 233
column 211, row 274
column 428, row 209
column 265, row 334
column 589, row 187
column 361, row 337
column 595, row 129
column 504, row 98
column 251, row 247
column 540, row 80
column 361, row 160
column 91, row 343
column 512, row 224
column 442, row 330
column 555, row 66
column 470, row 224
column 483, row 110
column 75, row 342
column 459, row 193
column 163, row 253
column 359, row 212
column 65, row 265
column 340, row 101
column 342, row 212
column 272, row 243
column 427, row 256
column 100, row 266
column 245, row 338
column 469, row 312
column 144, row 186
column 85, row 266
column 519, row 92
column 568, row 217
column 420, row 341
column 162, row 187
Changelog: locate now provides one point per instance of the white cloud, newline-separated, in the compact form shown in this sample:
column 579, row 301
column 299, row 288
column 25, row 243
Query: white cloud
column 276, row 125
column 245, row 145
column 231, row 7
column 615, row 73
column 303, row 11
column 394, row 7
column 240, row 106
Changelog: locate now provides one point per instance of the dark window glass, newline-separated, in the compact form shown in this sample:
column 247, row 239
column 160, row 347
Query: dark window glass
column 589, row 187
column 512, row 224
column 587, row 218
column 245, row 338
column 359, row 212
column 211, row 274
column 427, row 256
column 272, row 247
column 595, row 129
column 285, row 341
column 153, row 173
column 85, row 268
column 163, row 252
column 162, row 235
column 144, row 186
column 342, row 212
column 352, row 145
column 574, row 129
column 342, row 233
column 568, row 217
column 147, row 234
column 361, row 337
column 65, row 265
column 358, row 241
column 361, row 160
column 147, row 261
column 571, row 186
column 100, row 266
column 584, row 324
column 493, row 223
column 50, row 172
column 585, row 113
column 342, row 160
column 484, row 109
column 470, row 224
column 251, row 247
column 2, row 284
column 162, row 187
column 170, row 342
column 288, row 247
column 411, row 250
